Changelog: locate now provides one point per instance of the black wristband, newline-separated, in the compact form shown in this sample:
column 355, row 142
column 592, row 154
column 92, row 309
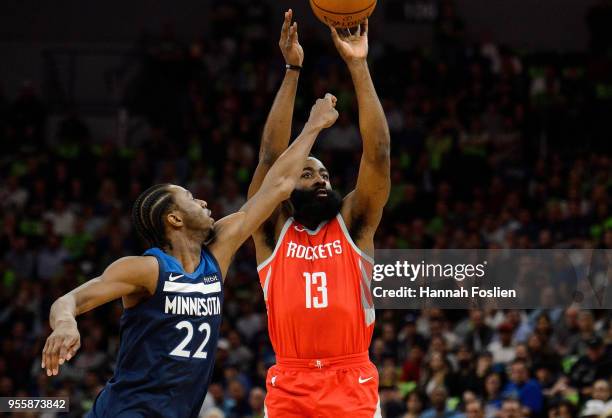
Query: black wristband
column 293, row 67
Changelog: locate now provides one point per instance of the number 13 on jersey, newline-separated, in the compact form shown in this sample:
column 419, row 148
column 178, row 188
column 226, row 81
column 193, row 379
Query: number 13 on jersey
column 316, row 290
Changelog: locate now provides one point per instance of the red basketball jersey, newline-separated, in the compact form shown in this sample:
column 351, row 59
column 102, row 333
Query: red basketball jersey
column 316, row 286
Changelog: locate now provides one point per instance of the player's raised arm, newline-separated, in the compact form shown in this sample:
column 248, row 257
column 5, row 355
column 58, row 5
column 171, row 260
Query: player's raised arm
column 368, row 199
column 277, row 130
column 276, row 187
column 126, row 276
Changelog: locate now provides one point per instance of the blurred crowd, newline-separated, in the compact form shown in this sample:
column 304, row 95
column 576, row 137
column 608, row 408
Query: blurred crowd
column 492, row 148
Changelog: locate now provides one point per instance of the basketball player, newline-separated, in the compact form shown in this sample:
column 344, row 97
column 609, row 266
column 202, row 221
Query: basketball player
column 315, row 256
column 172, row 296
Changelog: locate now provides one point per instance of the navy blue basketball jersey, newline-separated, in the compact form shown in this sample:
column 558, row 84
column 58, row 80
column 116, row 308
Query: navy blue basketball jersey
column 168, row 344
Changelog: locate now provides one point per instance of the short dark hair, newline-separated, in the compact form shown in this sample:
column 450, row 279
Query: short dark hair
column 148, row 212
column 518, row 361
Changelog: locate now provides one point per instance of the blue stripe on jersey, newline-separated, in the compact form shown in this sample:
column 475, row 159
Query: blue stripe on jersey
column 168, row 345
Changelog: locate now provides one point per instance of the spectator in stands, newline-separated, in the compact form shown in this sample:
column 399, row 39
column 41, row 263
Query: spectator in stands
column 238, row 353
column 492, row 394
column 415, row 403
column 593, row 409
column 480, row 334
column 236, row 403
column 213, row 413
column 21, row 259
column 474, row 409
column 437, row 373
column 595, row 364
column 411, row 370
column 524, row 388
column 601, row 390
column 61, row 217
column 567, row 328
column 51, row 258
column 503, row 348
column 464, row 378
column 511, row 408
column 565, row 409
column 586, row 330
column 256, row 402
column 543, row 356
column 484, row 365
column 437, row 399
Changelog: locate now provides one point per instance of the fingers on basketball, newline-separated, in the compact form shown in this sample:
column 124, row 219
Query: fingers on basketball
column 334, row 32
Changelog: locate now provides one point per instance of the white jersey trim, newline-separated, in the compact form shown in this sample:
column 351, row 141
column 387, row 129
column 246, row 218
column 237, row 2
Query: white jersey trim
column 279, row 243
column 202, row 288
column 378, row 412
column 267, row 284
column 350, row 240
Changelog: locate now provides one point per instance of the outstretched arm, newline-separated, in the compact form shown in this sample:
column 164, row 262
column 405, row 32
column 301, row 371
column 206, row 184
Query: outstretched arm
column 126, row 276
column 371, row 193
column 276, row 187
column 277, row 130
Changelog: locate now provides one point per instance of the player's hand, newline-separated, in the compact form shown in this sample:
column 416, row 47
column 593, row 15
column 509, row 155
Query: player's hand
column 60, row 347
column 353, row 47
column 289, row 43
column 324, row 114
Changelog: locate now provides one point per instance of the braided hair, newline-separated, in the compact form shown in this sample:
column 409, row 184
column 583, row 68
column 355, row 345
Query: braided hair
column 148, row 213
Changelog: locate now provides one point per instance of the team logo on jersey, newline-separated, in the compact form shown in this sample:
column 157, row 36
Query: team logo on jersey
column 315, row 252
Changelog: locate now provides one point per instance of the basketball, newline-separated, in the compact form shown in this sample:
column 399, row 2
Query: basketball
column 342, row 13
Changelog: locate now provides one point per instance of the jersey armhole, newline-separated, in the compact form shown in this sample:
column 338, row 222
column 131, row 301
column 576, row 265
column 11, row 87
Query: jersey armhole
column 214, row 260
column 347, row 235
column 279, row 242
column 158, row 284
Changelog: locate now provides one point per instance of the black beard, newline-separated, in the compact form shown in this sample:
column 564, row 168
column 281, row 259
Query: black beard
column 310, row 210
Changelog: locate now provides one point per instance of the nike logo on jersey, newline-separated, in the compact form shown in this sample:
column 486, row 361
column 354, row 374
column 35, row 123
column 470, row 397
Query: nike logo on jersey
column 273, row 381
column 173, row 278
column 361, row 381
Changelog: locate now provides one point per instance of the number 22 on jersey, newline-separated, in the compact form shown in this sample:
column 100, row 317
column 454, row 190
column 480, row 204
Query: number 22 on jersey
column 316, row 290
column 180, row 349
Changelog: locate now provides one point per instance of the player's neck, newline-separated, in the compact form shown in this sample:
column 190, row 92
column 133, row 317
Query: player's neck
column 187, row 251
column 311, row 224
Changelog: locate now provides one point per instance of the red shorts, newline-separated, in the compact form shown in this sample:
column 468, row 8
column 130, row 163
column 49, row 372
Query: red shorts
column 335, row 387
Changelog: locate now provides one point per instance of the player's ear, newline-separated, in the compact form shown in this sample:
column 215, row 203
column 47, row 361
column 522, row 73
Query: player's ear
column 174, row 218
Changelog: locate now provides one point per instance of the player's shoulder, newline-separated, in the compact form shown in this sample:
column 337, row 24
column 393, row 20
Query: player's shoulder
column 134, row 268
